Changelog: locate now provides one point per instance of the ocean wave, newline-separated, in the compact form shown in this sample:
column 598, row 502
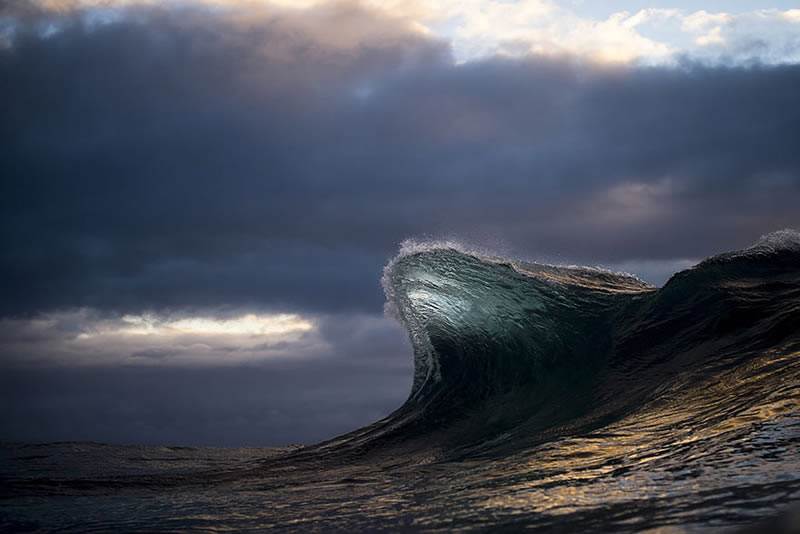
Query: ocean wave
column 514, row 347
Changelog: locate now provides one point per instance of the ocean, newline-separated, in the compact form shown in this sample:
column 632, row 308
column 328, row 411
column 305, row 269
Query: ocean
column 550, row 398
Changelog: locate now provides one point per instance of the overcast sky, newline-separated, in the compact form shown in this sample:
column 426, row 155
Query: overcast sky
column 197, row 198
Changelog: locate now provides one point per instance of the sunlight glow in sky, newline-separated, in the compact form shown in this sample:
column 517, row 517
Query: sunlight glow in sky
column 257, row 325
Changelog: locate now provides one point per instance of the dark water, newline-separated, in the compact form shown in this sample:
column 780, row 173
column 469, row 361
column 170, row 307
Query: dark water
column 558, row 398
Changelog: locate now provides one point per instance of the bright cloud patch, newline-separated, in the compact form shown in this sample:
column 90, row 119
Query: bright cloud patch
column 85, row 337
column 263, row 325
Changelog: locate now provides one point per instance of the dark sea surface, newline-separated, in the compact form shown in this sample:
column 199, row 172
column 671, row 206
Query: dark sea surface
column 563, row 399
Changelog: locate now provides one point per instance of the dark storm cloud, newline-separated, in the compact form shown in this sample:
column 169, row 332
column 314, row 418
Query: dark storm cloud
column 183, row 159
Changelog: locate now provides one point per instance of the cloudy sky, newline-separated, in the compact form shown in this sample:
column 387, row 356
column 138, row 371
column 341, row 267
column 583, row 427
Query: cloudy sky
column 197, row 198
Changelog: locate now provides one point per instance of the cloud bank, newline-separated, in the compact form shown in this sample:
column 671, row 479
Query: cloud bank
column 186, row 158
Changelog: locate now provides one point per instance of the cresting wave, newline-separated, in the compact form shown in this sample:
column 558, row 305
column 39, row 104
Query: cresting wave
column 463, row 309
column 508, row 352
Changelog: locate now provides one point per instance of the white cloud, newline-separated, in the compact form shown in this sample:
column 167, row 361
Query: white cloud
column 713, row 37
column 698, row 21
column 792, row 15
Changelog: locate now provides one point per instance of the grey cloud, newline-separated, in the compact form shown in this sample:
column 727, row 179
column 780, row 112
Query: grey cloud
column 183, row 159
column 365, row 337
column 280, row 345
column 154, row 353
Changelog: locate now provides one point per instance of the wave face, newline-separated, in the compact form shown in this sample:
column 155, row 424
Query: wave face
column 555, row 398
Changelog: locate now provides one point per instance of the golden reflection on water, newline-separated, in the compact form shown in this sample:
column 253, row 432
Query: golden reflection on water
column 679, row 447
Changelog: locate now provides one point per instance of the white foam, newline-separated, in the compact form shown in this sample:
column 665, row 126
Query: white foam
column 787, row 239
